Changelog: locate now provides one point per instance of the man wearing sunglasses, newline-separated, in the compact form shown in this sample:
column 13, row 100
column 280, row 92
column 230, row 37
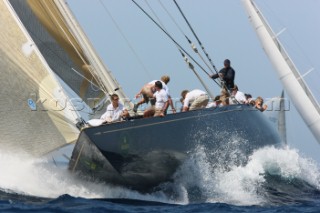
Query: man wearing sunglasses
column 115, row 111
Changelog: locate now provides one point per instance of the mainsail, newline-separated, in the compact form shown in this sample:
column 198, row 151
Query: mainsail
column 50, row 76
column 291, row 79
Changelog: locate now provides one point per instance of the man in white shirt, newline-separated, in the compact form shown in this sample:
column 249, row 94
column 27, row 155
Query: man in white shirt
column 215, row 103
column 115, row 111
column 195, row 99
column 239, row 97
column 148, row 90
column 161, row 97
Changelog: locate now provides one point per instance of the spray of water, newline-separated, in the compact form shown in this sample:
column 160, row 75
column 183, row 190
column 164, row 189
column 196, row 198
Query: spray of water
column 201, row 178
column 24, row 175
column 246, row 184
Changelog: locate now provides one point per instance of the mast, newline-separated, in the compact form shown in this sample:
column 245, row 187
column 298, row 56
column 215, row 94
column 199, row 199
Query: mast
column 288, row 74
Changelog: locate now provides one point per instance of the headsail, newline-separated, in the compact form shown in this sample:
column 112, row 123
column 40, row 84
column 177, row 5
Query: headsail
column 292, row 81
column 49, row 78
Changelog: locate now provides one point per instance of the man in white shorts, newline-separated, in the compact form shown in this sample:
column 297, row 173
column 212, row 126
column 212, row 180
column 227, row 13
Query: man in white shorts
column 195, row 99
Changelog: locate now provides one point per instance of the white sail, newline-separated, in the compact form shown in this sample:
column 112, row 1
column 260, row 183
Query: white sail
column 26, row 80
column 50, row 78
column 287, row 72
column 282, row 127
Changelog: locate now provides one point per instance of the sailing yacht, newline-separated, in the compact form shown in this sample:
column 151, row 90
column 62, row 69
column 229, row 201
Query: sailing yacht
column 52, row 80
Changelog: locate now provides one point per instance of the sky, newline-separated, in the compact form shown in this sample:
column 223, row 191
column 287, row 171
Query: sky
column 137, row 51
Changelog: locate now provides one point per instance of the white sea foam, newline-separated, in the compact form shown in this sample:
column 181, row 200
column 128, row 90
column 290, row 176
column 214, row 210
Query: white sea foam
column 200, row 180
column 36, row 177
column 242, row 185
column 239, row 185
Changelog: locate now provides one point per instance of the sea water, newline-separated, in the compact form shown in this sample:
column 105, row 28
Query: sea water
column 272, row 180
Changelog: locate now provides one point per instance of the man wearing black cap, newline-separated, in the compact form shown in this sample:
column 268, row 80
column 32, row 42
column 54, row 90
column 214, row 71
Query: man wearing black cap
column 227, row 74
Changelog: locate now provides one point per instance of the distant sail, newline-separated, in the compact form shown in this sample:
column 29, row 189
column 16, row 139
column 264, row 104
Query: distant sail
column 276, row 114
column 282, row 127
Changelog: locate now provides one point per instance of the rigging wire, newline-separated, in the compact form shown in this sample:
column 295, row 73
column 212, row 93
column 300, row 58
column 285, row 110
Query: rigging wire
column 159, row 21
column 67, row 64
column 91, row 81
column 125, row 38
column 158, row 25
column 154, row 13
column 184, row 34
column 297, row 51
column 190, row 65
column 222, row 85
column 171, row 17
column 183, row 55
column 195, row 35
column 172, row 39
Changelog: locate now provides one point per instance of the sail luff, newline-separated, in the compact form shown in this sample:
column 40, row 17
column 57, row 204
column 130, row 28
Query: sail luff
column 297, row 94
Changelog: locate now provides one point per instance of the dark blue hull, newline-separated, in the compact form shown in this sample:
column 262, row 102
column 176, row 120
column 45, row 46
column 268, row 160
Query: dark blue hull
column 143, row 153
